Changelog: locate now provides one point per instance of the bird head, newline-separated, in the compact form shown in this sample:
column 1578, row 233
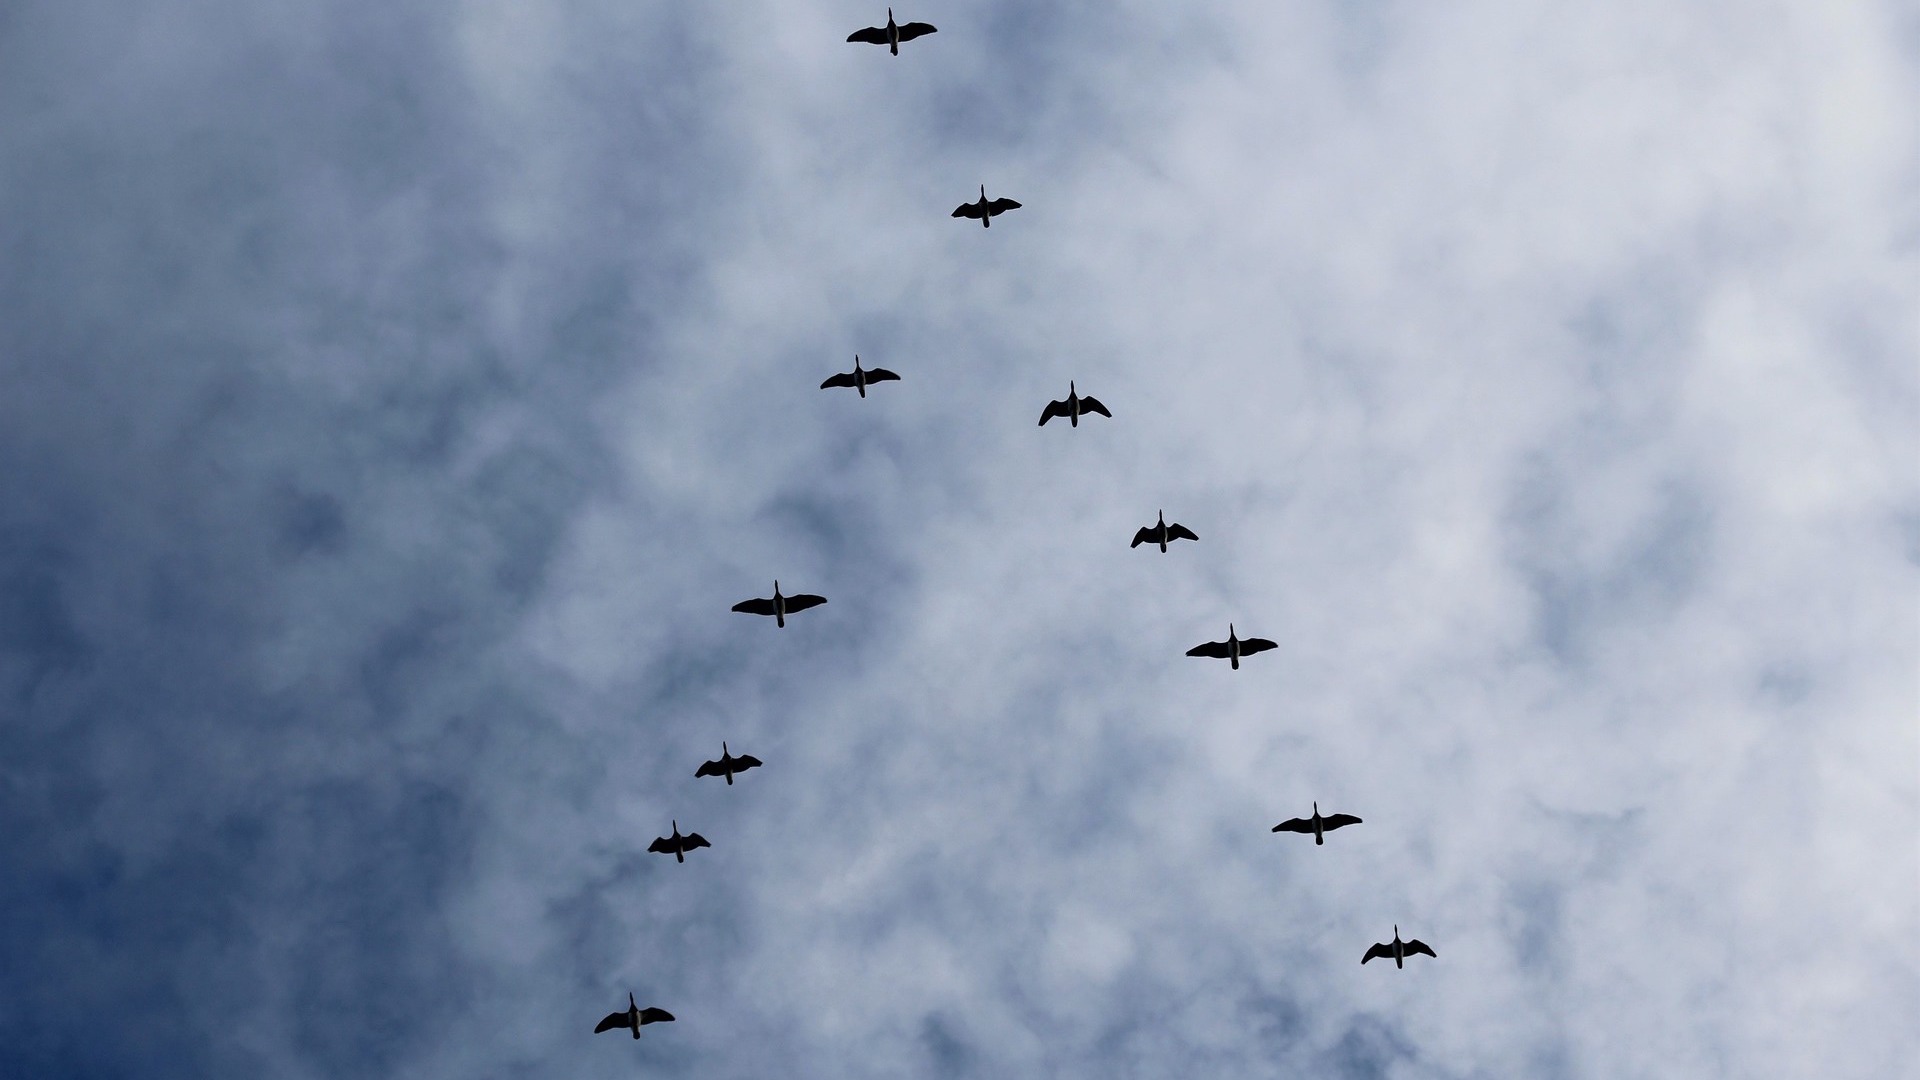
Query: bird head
column 1163, row 517
column 776, row 586
column 631, row 1005
column 676, row 828
column 1316, row 809
column 983, row 193
column 1229, row 631
column 723, row 748
column 1396, row 931
column 856, row 361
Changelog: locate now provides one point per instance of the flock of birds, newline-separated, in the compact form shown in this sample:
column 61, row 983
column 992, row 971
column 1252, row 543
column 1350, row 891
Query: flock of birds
column 1161, row 533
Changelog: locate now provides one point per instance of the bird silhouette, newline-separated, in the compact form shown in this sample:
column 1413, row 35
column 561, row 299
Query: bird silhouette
column 632, row 1017
column 1162, row 533
column 1073, row 408
column 985, row 210
column 858, row 378
column 1233, row 648
column 892, row 34
column 677, row 845
column 1398, row 949
column 1318, row 825
column 728, row 765
column 779, row 606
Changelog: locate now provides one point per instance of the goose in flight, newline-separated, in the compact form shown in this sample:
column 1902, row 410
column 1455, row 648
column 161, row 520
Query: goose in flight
column 892, row 34
column 632, row 1017
column 678, row 846
column 858, row 378
column 1319, row 826
column 1399, row 950
column 985, row 210
column 1233, row 648
column 780, row 606
column 1073, row 408
column 728, row 765
column 1161, row 533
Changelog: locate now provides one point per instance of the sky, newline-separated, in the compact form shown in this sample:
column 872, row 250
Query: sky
column 395, row 397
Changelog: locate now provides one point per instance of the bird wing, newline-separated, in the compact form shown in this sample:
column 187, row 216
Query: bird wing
column 662, row 845
column 693, row 840
column 613, row 1020
column 1419, row 946
column 653, row 1015
column 711, row 768
column 1088, row 405
column 1377, row 950
column 1294, row 825
column 1337, row 821
column 1053, row 409
column 916, row 29
column 845, row 378
column 881, row 374
column 1001, row 206
column 1177, row 531
column 748, row 761
column 760, row 606
column 803, row 601
column 1215, row 649
column 1255, row 644
column 872, row 35
column 1144, row 536
column 971, row 209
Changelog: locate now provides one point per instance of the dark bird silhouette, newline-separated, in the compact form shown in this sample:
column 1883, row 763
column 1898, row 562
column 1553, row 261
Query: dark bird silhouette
column 1073, row 408
column 1161, row 533
column 1398, row 949
column 985, row 210
column 632, row 1017
column 892, row 34
column 677, row 845
column 728, row 765
column 779, row 606
column 1318, row 825
column 1233, row 648
column 858, row 378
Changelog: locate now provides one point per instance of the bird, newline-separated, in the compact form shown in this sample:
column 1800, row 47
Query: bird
column 858, row 378
column 985, row 210
column 632, row 1017
column 1161, row 533
column 892, row 34
column 1073, row 407
column 1399, row 950
column 1233, row 648
column 780, row 606
column 677, row 845
column 728, row 765
column 1317, row 825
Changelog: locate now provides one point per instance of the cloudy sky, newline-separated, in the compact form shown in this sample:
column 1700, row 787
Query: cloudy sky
column 395, row 396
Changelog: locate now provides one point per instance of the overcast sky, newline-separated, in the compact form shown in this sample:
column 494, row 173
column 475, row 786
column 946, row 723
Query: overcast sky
column 394, row 398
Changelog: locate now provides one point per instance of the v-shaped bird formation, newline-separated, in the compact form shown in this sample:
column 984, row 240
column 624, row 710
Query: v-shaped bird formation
column 1160, row 534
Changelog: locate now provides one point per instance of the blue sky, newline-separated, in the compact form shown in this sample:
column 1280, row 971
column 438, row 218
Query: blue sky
column 394, row 398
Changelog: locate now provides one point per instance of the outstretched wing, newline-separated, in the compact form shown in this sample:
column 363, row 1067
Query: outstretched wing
column 613, row 1020
column 881, row 374
column 1144, row 536
column 872, row 35
column 1053, row 409
column 916, row 29
column 1420, row 947
column 1177, row 531
column 1215, row 649
column 1377, row 950
column 652, row 1015
column 662, row 845
column 746, row 761
column 1255, row 644
column 845, row 378
column 1001, row 206
column 971, row 209
column 1088, row 405
column 711, row 768
column 1338, row 821
column 1294, row 825
column 693, row 840
column 757, row 607
column 803, row 601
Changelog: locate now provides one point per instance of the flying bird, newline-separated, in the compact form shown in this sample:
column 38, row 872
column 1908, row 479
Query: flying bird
column 858, row 378
column 678, row 846
column 728, row 765
column 1073, row 408
column 1233, row 648
column 780, row 606
column 1319, row 826
column 892, row 34
column 985, row 210
column 1161, row 533
column 632, row 1017
column 1399, row 950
